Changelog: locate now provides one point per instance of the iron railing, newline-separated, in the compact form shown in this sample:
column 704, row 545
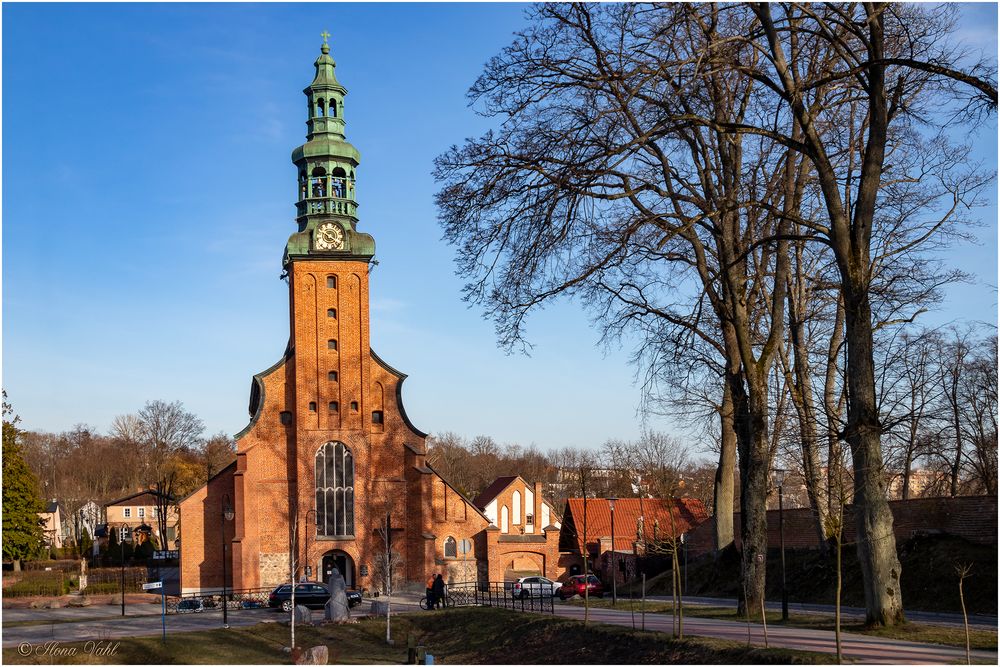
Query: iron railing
column 247, row 598
column 500, row 594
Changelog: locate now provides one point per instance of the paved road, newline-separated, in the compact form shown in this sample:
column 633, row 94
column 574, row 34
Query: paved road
column 860, row 648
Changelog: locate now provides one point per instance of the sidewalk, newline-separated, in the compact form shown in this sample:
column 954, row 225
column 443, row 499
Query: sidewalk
column 856, row 648
column 978, row 621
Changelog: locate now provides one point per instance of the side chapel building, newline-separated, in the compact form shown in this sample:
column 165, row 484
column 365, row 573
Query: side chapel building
column 329, row 452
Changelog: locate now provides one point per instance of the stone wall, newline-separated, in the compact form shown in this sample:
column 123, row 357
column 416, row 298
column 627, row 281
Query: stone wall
column 273, row 569
column 973, row 518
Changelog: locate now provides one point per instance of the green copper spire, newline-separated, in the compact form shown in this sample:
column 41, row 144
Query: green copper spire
column 326, row 209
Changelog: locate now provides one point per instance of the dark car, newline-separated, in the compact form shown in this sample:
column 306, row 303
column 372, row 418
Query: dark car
column 309, row 594
column 580, row 582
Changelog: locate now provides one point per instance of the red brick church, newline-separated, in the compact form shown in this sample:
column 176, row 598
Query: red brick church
column 329, row 452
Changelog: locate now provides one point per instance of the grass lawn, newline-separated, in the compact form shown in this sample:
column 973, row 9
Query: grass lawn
column 455, row 636
column 914, row 632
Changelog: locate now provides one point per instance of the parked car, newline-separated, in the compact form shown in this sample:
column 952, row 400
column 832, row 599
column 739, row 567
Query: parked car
column 190, row 606
column 580, row 582
column 534, row 587
column 308, row 593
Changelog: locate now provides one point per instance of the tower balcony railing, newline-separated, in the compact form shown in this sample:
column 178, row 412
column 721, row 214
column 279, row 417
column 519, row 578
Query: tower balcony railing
column 327, row 206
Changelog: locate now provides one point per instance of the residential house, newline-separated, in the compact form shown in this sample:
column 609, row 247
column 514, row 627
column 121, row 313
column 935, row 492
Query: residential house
column 51, row 520
column 141, row 510
column 639, row 523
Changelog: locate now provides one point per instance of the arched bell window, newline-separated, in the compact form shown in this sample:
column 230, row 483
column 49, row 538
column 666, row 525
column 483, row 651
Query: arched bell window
column 338, row 182
column 334, row 490
column 318, row 182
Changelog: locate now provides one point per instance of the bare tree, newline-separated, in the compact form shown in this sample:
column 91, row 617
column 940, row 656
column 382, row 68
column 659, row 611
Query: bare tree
column 889, row 59
column 600, row 186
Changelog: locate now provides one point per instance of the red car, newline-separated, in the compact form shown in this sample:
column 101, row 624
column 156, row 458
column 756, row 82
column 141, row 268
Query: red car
column 577, row 584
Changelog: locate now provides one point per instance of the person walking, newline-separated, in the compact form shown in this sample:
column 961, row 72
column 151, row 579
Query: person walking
column 438, row 588
column 430, row 591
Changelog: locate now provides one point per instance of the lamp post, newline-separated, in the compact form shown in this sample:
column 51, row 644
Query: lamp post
column 314, row 528
column 614, row 563
column 779, row 480
column 227, row 514
column 684, row 546
column 126, row 536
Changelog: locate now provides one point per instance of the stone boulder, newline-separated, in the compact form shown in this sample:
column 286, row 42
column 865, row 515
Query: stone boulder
column 379, row 608
column 79, row 602
column 302, row 614
column 317, row 655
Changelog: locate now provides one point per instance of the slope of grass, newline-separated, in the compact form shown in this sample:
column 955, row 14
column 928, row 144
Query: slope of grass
column 456, row 636
column 929, row 581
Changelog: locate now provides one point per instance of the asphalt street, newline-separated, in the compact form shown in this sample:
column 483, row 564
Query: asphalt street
column 105, row 622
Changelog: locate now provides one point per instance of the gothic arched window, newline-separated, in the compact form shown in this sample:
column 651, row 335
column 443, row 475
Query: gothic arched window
column 450, row 548
column 334, row 490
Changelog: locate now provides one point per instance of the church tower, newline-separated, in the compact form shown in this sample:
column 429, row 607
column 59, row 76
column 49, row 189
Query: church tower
column 327, row 263
column 329, row 465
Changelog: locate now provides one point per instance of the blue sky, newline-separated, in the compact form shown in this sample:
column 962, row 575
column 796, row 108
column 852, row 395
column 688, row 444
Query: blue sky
column 148, row 193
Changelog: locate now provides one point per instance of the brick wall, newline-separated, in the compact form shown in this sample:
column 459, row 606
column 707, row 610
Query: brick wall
column 201, row 534
column 973, row 518
column 508, row 553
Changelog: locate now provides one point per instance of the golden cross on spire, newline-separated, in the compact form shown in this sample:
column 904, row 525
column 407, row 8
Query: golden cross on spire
column 325, row 35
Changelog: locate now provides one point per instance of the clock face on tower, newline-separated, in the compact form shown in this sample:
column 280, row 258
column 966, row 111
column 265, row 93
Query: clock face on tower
column 329, row 236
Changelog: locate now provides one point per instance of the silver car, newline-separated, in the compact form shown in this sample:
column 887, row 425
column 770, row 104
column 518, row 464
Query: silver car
column 534, row 587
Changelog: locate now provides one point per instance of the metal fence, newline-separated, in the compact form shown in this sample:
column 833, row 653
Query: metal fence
column 247, row 598
column 498, row 594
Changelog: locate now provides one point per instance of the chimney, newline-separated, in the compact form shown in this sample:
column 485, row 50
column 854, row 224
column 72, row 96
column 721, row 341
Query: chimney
column 538, row 507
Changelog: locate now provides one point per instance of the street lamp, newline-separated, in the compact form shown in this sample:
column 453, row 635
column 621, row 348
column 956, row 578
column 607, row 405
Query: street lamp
column 314, row 528
column 614, row 563
column 779, row 480
column 227, row 515
column 125, row 533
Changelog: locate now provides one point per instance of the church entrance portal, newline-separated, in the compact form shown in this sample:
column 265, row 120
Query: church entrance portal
column 341, row 561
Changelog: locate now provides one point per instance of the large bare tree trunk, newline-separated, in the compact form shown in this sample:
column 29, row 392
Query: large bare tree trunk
column 833, row 404
column 754, row 468
column 876, row 541
column 723, row 495
column 801, row 391
column 850, row 234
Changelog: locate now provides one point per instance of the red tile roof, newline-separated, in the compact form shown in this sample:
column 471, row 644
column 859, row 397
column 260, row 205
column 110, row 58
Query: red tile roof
column 687, row 513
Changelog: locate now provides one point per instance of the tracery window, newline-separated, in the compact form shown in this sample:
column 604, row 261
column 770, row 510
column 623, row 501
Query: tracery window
column 334, row 490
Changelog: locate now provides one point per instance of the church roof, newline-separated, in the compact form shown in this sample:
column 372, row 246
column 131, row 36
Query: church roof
column 493, row 490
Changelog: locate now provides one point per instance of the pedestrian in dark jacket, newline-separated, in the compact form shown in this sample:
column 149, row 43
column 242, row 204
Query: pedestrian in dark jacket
column 438, row 589
column 430, row 591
